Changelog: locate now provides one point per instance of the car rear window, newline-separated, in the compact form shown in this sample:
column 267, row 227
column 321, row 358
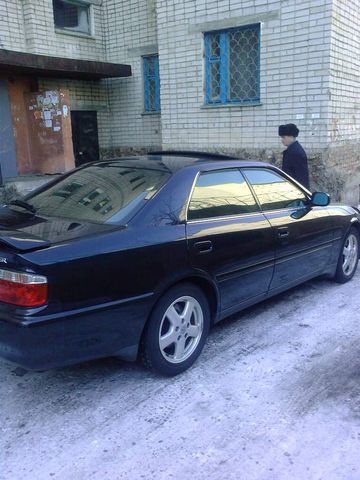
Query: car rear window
column 106, row 193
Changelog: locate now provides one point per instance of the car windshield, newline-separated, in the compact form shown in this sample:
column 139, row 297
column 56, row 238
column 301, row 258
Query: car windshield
column 108, row 193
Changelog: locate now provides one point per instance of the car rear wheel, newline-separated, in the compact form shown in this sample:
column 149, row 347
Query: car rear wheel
column 348, row 258
column 176, row 331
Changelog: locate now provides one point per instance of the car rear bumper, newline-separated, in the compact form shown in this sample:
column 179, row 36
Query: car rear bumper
column 54, row 342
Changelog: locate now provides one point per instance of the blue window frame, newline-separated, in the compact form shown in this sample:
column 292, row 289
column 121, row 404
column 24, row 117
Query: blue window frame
column 232, row 65
column 151, row 83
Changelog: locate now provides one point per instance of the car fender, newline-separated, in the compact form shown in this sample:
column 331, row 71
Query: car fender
column 197, row 276
column 354, row 222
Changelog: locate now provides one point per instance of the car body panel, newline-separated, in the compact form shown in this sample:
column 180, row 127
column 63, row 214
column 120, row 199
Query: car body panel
column 241, row 260
column 307, row 247
column 104, row 279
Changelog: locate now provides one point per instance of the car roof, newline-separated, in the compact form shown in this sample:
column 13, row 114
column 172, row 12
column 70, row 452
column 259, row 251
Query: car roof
column 172, row 163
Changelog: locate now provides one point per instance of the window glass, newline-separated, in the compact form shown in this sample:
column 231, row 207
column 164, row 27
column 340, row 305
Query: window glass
column 71, row 15
column 274, row 191
column 151, row 83
column 219, row 194
column 232, row 61
column 106, row 193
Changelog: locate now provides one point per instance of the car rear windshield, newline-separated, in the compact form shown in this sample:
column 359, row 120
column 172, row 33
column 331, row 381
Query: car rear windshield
column 106, row 193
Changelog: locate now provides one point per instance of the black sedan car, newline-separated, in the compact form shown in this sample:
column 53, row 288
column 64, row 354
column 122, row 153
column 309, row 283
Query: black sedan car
column 138, row 257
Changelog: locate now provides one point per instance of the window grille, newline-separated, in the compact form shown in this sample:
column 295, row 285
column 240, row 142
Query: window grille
column 151, row 83
column 232, row 65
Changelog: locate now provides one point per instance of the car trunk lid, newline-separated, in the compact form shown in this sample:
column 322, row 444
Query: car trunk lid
column 21, row 241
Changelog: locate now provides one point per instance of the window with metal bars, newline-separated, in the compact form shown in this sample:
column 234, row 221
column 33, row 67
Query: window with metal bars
column 232, row 65
column 151, row 84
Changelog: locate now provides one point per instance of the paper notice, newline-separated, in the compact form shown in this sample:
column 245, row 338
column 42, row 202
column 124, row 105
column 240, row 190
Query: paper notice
column 47, row 115
column 57, row 129
column 48, row 123
column 39, row 100
column 53, row 97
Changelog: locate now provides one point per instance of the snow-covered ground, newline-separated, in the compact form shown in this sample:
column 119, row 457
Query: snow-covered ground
column 274, row 395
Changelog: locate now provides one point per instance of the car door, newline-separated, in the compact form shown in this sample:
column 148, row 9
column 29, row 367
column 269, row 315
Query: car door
column 303, row 234
column 229, row 237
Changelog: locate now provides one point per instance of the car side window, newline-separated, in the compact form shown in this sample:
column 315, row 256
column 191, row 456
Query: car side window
column 221, row 193
column 274, row 191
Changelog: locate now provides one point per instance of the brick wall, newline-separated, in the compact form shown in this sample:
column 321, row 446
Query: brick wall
column 295, row 44
column 11, row 25
column 33, row 23
column 130, row 33
column 344, row 99
column 345, row 72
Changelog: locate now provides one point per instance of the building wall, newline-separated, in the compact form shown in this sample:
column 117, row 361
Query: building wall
column 12, row 25
column 85, row 95
column 294, row 79
column 130, row 33
column 28, row 26
column 344, row 100
column 309, row 75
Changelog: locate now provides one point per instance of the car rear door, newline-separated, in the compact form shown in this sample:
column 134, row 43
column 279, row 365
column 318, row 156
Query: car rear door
column 304, row 234
column 229, row 238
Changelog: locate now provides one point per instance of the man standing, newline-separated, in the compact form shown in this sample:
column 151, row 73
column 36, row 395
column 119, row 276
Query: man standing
column 295, row 161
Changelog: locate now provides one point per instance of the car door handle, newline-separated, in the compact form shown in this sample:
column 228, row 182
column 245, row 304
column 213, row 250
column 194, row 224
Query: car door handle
column 283, row 232
column 204, row 247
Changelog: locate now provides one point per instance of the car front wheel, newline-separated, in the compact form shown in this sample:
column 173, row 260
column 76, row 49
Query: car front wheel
column 176, row 331
column 348, row 258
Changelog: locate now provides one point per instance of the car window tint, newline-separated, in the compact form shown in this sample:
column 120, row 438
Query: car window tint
column 219, row 194
column 107, row 193
column 274, row 191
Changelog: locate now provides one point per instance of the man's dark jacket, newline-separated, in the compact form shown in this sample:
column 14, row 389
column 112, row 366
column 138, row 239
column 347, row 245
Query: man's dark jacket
column 295, row 163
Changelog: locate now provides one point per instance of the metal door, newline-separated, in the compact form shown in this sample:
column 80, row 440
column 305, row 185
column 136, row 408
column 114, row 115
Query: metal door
column 85, row 136
column 7, row 143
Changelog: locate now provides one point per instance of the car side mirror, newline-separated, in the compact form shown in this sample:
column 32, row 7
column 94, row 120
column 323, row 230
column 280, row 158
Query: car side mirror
column 320, row 199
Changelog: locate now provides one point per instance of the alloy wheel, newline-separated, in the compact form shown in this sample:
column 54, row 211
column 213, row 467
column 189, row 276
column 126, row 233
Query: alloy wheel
column 350, row 254
column 181, row 329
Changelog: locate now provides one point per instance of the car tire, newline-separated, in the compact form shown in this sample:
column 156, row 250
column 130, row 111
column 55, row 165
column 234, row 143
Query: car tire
column 176, row 331
column 348, row 258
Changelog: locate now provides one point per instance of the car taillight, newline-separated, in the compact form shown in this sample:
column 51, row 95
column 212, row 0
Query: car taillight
column 23, row 289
